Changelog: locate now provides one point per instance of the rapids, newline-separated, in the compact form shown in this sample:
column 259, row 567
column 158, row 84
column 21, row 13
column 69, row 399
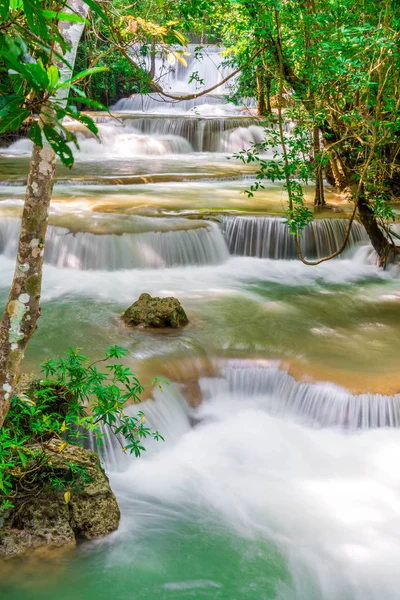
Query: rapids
column 278, row 478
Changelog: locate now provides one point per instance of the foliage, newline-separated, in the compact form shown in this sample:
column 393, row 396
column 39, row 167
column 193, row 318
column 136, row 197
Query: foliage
column 298, row 169
column 33, row 54
column 339, row 62
column 127, row 45
column 74, row 400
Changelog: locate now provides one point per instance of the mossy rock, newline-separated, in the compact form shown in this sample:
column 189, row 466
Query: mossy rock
column 157, row 313
column 48, row 521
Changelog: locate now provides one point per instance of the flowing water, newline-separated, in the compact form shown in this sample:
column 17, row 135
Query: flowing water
column 278, row 478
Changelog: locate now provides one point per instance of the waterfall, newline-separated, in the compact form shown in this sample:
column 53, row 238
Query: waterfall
column 319, row 404
column 166, row 412
column 190, row 243
column 269, row 237
column 202, row 244
column 209, row 104
column 205, row 62
column 156, row 134
column 240, row 388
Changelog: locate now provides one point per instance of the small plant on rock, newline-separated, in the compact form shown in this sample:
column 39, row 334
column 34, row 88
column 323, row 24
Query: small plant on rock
column 75, row 398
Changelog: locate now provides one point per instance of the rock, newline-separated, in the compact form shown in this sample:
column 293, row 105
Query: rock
column 47, row 521
column 155, row 312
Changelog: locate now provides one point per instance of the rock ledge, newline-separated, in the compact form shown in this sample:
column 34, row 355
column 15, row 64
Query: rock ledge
column 47, row 521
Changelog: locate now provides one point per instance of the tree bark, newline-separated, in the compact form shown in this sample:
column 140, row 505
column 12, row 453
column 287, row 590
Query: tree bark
column 261, row 105
column 319, row 198
column 339, row 175
column 268, row 92
column 375, row 233
column 19, row 320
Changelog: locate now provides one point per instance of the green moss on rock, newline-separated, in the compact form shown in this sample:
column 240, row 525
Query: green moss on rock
column 152, row 312
column 46, row 520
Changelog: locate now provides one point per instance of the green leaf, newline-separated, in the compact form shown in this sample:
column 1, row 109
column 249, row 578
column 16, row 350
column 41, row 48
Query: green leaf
column 37, row 76
column 82, row 75
column 4, row 8
column 90, row 102
column 78, row 91
column 96, row 9
column 34, row 16
column 88, row 121
column 53, row 76
column 35, row 134
column 64, row 16
column 59, row 146
column 22, row 456
column 14, row 120
column 34, row 73
column 10, row 103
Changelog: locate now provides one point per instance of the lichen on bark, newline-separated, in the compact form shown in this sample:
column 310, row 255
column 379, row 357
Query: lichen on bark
column 19, row 320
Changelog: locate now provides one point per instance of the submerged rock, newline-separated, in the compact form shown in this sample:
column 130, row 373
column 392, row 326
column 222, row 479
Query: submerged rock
column 51, row 518
column 155, row 312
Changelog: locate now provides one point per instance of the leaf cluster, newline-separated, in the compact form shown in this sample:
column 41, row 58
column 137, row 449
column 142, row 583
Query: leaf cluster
column 33, row 55
column 74, row 400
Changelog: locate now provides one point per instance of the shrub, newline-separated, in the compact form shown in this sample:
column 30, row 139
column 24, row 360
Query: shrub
column 75, row 397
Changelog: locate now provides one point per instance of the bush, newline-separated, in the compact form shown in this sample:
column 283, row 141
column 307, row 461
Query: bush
column 58, row 407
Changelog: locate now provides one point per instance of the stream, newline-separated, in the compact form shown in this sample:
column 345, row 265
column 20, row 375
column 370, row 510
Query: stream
column 278, row 478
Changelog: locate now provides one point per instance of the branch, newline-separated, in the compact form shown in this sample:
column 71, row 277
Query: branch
column 158, row 88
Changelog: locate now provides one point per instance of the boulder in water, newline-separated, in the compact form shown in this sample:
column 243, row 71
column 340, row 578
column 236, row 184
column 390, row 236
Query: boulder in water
column 51, row 519
column 152, row 312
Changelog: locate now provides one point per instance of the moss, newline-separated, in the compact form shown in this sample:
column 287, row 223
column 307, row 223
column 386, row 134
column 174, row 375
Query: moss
column 13, row 361
column 32, row 224
column 32, row 285
column 156, row 313
column 47, row 520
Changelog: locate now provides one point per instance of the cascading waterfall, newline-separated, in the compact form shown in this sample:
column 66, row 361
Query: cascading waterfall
column 155, row 134
column 208, row 104
column 202, row 244
column 203, row 134
column 242, row 386
column 316, row 404
column 166, row 412
column 269, row 237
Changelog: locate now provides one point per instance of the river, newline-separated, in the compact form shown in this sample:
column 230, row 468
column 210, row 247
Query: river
column 278, row 477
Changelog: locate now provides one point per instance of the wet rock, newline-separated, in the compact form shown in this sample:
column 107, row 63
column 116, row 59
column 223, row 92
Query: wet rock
column 46, row 520
column 155, row 313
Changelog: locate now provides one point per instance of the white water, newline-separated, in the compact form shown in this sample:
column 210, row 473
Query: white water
column 268, row 237
column 207, row 105
column 322, row 404
column 190, row 281
column 201, row 244
column 159, row 243
column 154, row 136
column 329, row 501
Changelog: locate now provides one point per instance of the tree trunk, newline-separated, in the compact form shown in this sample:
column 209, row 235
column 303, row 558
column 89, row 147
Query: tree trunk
column 22, row 311
column 261, row 106
column 153, row 60
column 319, row 198
column 23, row 305
column 268, row 92
column 340, row 176
column 378, row 240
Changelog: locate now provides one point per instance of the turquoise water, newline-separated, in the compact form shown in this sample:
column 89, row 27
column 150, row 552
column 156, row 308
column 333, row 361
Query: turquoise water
column 237, row 504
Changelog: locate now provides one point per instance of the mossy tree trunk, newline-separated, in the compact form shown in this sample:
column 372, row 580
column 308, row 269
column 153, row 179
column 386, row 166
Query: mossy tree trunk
column 22, row 310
